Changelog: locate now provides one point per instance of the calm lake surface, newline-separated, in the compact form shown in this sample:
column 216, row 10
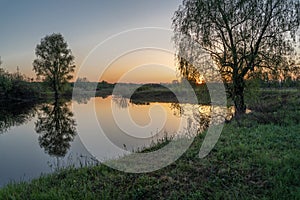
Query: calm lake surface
column 37, row 139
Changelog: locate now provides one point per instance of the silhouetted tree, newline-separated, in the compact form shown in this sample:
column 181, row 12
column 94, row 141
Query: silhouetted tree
column 5, row 82
column 54, row 62
column 243, row 37
column 56, row 127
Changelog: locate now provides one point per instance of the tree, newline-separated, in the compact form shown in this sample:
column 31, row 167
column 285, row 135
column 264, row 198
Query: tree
column 5, row 81
column 56, row 127
column 243, row 37
column 54, row 62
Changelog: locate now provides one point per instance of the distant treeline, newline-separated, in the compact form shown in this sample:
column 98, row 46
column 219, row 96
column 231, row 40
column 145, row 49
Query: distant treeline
column 17, row 87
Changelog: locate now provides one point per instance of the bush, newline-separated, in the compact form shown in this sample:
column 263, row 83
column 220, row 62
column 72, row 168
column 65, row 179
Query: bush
column 17, row 86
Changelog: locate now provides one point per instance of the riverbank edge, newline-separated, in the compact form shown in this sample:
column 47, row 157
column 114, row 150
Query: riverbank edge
column 252, row 160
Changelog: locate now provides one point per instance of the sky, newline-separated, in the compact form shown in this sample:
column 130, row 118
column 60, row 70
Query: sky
column 84, row 25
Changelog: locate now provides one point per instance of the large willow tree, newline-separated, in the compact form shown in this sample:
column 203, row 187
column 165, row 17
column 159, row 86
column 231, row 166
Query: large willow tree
column 243, row 38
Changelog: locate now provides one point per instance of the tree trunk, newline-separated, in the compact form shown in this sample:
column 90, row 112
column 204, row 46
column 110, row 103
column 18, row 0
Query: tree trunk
column 238, row 97
column 56, row 95
column 56, row 92
column 239, row 103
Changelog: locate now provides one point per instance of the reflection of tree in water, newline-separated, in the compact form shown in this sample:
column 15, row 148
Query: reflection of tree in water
column 203, row 117
column 13, row 114
column 177, row 109
column 122, row 102
column 137, row 102
column 56, row 127
column 83, row 97
column 199, row 116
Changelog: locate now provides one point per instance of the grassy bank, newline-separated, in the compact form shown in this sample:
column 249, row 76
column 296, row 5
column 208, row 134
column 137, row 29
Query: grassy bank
column 257, row 160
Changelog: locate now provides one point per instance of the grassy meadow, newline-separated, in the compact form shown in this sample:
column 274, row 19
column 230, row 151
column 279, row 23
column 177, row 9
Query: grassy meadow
column 256, row 157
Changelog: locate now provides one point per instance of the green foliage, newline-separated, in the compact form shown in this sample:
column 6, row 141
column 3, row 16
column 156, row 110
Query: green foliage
column 243, row 38
column 16, row 86
column 5, row 82
column 253, row 89
column 105, row 85
column 279, row 107
column 247, row 163
column 255, row 161
column 54, row 62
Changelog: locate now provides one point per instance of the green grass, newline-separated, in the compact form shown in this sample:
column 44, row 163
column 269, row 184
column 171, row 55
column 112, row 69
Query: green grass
column 257, row 160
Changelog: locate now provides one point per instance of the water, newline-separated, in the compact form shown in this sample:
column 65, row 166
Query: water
column 22, row 155
column 37, row 139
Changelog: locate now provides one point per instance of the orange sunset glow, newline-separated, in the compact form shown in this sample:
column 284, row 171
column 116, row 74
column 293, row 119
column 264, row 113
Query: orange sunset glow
column 142, row 66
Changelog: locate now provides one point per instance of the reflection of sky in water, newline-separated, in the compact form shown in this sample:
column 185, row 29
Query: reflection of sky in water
column 22, row 157
column 131, row 126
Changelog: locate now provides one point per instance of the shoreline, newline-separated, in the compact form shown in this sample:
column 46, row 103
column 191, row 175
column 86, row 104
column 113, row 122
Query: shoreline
column 238, row 166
